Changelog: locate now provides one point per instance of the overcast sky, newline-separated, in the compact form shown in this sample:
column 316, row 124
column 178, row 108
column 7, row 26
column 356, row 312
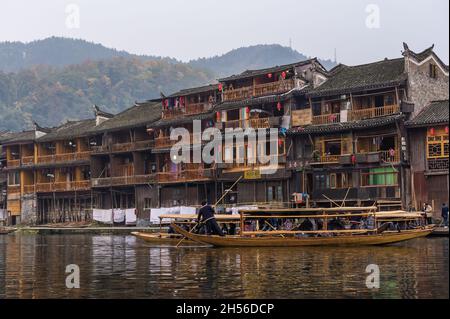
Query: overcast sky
column 187, row 29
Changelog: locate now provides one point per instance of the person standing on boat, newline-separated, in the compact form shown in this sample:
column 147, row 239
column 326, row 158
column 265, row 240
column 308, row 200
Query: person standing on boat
column 444, row 214
column 206, row 216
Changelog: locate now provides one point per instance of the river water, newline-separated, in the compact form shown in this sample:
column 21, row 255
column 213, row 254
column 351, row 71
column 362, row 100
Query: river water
column 116, row 266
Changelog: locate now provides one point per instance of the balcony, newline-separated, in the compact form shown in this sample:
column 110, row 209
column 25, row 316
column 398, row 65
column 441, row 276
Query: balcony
column 238, row 94
column 13, row 189
column 63, row 158
column 13, row 163
column 29, row 189
column 326, row 118
column 327, row 159
column 131, row 146
column 273, row 87
column 27, row 160
column 258, row 90
column 197, row 108
column 188, row 175
column 356, row 115
column 252, row 163
column 166, row 142
column 168, row 114
column 63, row 186
column 122, row 180
column 265, row 122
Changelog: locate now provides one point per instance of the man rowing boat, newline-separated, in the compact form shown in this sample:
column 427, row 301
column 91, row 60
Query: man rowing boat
column 206, row 216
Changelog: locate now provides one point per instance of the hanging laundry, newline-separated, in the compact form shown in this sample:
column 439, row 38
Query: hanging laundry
column 130, row 216
column 119, row 215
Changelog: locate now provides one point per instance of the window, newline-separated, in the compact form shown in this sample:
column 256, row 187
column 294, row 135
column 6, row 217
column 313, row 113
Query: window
column 321, row 181
column 437, row 146
column 433, row 71
column 14, row 178
column 383, row 176
column 275, row 193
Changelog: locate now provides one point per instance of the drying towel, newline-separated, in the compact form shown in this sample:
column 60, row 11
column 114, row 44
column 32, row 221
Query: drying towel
column 130, row 216
column 119, row 215
column 3, row 214
column 154, row 215
column 102, row 215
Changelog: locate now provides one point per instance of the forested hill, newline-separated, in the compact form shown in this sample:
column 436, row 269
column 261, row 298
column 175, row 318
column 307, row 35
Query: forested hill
column 251, row 58
column 59, row 79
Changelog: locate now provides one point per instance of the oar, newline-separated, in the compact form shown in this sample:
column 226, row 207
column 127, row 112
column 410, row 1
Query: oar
column 217, row 202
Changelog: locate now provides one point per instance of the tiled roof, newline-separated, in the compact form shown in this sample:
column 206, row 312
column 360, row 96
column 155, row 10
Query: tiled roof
column 346, row 126
column 423, row 55
column 196, row 90
column 345, row 79
column 278, row 68
column 434, row 113
column 71, row 129
column 19, row 137
column 139, row 115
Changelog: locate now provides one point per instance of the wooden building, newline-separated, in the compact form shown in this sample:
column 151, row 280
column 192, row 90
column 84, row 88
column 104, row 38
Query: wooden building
column 428, row 137
column 354, row 134
column 189, row 182
column 122, row 166
column 262, row 99
column 353, row 144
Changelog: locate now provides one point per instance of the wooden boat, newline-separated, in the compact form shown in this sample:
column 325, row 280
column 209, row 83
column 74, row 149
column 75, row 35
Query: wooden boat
column 5, row 231
column 341, row 238
column 163, row 238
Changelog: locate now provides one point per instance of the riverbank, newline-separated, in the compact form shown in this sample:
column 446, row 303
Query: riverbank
column 119, row 230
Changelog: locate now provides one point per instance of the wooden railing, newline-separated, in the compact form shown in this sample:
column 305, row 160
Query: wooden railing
column 390, row 156
column 13, row 189
column 197, row 108
column 256, row 162
column 361, row 114
column 258, row 90
column 326, row 118
column 264, row 122
column 166, row 142
column 13, row 163
column 327, row 159
column 273, row 87
column 238, row 94
column 188, row 175
column 61, row 158
column 167, row 114
column 63, row 186
column 28, row 160
column 122, row 180
column 29, row 189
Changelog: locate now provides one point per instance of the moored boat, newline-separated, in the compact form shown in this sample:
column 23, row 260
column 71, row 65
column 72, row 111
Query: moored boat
column 163, row 238
column 334, row 226
column 338, row 239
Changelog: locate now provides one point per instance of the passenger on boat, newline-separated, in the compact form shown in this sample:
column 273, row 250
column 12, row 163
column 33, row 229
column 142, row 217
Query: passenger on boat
column 444, row 214
column 206, row 216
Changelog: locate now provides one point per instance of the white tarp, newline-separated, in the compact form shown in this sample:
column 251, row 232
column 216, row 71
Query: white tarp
column 130, row 216
column 155, row 213
column 188, row 210
column 102, row 216
column 3, row 214
column 119, row 215
column 235, row 210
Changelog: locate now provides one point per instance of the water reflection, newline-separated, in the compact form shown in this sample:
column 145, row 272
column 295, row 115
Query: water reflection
column 33, row 266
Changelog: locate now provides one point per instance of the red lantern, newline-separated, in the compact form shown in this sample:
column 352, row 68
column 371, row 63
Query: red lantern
column 247, row 110
column 220, row 87
column 446, row 130
column 283, row 75
column 218, row 116
column 279, row 106
column 269, row 75
column 432, row 131
column 353, row 159
column 280, row 142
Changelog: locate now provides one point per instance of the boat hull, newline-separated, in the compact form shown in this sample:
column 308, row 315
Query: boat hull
column 271, row 241
column 163, row 238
